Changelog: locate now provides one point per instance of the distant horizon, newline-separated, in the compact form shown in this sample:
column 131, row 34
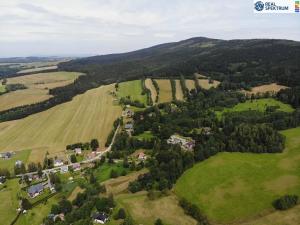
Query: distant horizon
column 101, row 27
column 91, row 54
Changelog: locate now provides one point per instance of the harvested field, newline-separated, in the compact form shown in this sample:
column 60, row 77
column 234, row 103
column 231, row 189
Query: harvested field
column 179, row 94
column 150, row 86
column 190, row 84
column 266, row 88
column 165, row 90
column 204, row 83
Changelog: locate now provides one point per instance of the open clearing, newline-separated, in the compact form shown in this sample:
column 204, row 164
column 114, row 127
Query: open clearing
column 8, row 201
column 204, row 83
column 267, row 88
column 149, row 85
column 179, row 94
column 259, row 105
column 87, row 116
column 133, row 89
column 38, row 69
column 38, row 85
column 165, row 90
column 145, row 211
column 236, row 186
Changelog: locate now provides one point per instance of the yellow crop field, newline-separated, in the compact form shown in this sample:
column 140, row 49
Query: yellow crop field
column 190, row 84
column 165, row 90
column 149, row 85
column 179, row 94
column 89, row 115
column 266, row 88
column 38, row 85
column 204, row 83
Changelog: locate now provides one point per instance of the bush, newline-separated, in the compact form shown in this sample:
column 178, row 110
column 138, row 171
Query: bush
column 285, row 202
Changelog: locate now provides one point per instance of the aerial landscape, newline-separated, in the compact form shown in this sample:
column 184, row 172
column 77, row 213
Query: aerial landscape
column 149, row 113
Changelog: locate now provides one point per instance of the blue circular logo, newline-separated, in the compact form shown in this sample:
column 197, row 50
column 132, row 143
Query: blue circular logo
column 259, row 6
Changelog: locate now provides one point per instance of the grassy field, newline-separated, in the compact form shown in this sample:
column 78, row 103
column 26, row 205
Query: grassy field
column 204, row 83
column 38, row 69
column 87, row 116
column 149, row 85
column 259, row 105
column 147, row 135
column 9, row 202
column 179, row 94
column 239, row 186
column 38, row 85
column 165, row 90
column 10, row 163
column 145, row 211
column 103, row 172
column 132, row 89
column 2, row 88
column 266, row 88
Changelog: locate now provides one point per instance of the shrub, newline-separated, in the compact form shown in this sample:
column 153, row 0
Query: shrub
column 285, row 202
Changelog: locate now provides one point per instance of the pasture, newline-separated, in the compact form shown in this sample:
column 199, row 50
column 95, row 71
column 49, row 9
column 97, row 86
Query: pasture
column 89, row 115
column 205, row 84
column 132, row 89
column 38, row 87
column 233, row 187
column 165, row 90
column 259, row 105
column 8, row 201
column 149, row 85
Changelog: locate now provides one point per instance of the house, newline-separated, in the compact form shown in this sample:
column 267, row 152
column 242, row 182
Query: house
column 58, row 162
column 128, row 127
column 101, row 218
column 64, row 169
column 92, row 155
column 184, row 142
column 78, row 151
column 18, row 163
column 2, row 179
column 6, row 155
column 142, row 156
column 76, row 166
column 127, row 113
column 35, row 190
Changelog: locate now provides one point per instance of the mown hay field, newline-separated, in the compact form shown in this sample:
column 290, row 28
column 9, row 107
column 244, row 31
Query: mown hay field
column 190, row 84
column 204, row 83
column 232, row 187
column 179, row 94
column 150, row 86
column 165, row 90
column 38, row 85
column 273, row 87
column 89, row 115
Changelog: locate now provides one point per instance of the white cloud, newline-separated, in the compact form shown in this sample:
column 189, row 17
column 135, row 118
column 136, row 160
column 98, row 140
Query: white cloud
column 105, row 26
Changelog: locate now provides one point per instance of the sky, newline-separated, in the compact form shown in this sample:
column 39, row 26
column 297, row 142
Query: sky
column 96, row 27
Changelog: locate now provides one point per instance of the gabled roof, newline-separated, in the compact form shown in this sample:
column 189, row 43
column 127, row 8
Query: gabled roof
column 35, row 188
column 100, row 216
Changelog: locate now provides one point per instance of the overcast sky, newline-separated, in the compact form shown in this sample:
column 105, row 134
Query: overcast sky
column 92, row 27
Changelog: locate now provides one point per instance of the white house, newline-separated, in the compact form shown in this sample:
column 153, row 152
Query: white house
column 64, row 169
column 78, row 151
column 185, row 143
column 58, row 162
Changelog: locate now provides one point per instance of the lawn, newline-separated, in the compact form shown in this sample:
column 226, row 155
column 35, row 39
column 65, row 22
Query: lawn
column 145, row 211
column 259, row 105
column 10, row 163
column 165, row 90
column 132, row 89
column 9, row 202
column 103, row 172
column 38, row 86
column 237, row 186
column 147, row 135
column 89, row 115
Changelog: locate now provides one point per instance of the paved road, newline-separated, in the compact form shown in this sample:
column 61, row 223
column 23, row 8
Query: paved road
column 47, row 171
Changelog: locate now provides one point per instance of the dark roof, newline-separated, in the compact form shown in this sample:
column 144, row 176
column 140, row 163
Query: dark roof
column 128, row 126
column 100, row 216
column 35, row 189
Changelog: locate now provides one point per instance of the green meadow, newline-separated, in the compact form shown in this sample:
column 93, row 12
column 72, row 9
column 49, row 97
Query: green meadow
column 2, row 88
column 230, row 187
column 103, row 172
column 259, row 105
column 132, row 89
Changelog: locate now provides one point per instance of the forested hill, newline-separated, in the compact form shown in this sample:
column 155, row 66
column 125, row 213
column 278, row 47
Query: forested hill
column 252, row 61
